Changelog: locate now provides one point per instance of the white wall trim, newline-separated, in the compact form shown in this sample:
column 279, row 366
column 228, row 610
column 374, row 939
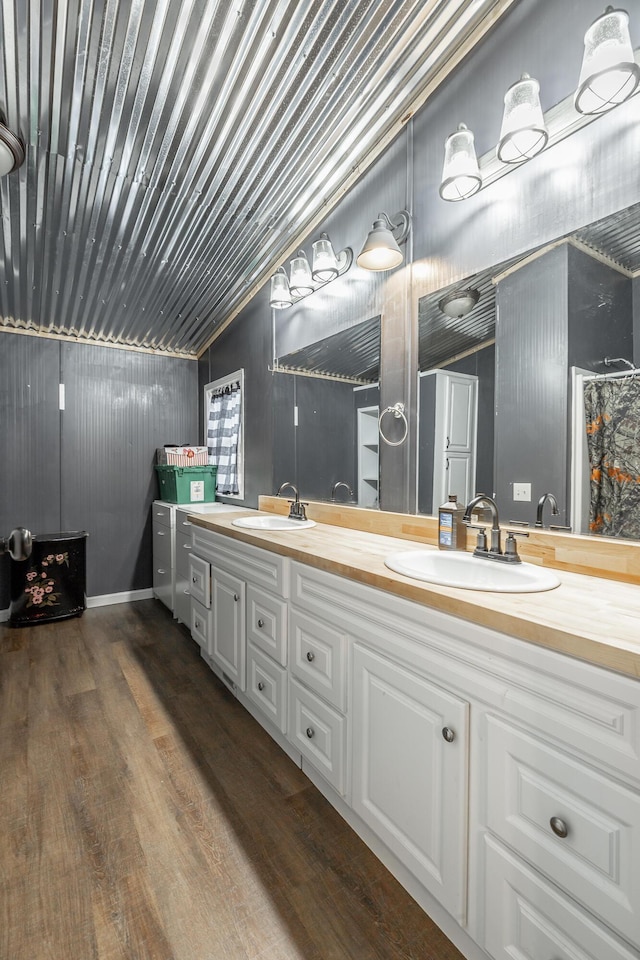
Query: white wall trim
column 128, row 596
column 4, row 615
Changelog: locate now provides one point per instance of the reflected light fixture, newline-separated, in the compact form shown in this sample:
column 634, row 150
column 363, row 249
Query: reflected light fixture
column 523, row 133
column 460, row 173
column 458, row 303
column 11, row 151
column 300, row 282
column 381, row 249
column 280, row 294
column 609, row 72
column 325, row 262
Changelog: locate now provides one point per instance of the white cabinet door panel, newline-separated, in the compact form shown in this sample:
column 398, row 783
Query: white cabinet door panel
column 228, row 644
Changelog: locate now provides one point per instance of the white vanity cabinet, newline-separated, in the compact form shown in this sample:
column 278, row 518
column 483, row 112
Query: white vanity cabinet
column 182, row 542
column 162, row 527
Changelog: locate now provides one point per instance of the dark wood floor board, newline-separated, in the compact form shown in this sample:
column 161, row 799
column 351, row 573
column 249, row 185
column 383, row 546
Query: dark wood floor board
column 147, row 816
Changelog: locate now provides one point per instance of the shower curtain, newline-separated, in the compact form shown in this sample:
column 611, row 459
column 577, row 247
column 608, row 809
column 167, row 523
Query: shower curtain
column 223, row 436
column 612, row 410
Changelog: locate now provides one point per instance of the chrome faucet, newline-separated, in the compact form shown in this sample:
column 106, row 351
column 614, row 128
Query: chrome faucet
column 510, row 554
column 336, row 487
column 541, row 502
column 297, row 508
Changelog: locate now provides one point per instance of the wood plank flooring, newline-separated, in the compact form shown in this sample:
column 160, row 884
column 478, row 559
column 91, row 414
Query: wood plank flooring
column 144, row 815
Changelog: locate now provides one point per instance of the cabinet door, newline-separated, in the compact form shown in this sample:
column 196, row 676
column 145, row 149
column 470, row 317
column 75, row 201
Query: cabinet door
column 410, row 757
column 228, row 641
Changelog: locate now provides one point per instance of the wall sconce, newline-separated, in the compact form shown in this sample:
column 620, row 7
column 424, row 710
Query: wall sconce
column 523, row 132
column 304, row 280
column 381, row 249
column 11, row 151
column 609, row 72
column 460, row 173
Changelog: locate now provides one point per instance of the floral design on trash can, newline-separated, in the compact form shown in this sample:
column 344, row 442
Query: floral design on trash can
column 41, row 589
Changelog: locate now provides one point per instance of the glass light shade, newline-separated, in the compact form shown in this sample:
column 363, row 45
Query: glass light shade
column 523, row 132
column 380, row 250
column 325, row 262
column 280, row 293
column 609, row 72
column 300, row 281
column 460, row 173
column 11, row 151
column 459, row 303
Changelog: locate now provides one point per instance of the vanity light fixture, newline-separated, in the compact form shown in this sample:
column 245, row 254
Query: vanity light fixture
column 523, row 132
column 11, row 151
column 609, row 73
column 460, row 173
column 381, row 249
column 304, row 280
column 458, row 303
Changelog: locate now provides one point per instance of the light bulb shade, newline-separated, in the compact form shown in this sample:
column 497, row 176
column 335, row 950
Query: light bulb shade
column 460, row 173
column 609, row 72
column 459, row 303
column 325, row 262
column 280, row 293
column 380, row 250
column 523, row 132
column 11, row 151
column 300, row 281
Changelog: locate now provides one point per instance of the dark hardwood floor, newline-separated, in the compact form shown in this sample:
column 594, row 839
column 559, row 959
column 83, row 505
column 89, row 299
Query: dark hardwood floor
column 144, row 815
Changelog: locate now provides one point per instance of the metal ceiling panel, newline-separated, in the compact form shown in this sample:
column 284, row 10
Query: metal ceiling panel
column 177, row 149
column 353, row 354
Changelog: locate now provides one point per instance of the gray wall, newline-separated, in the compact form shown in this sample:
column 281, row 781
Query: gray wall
column 89, row 467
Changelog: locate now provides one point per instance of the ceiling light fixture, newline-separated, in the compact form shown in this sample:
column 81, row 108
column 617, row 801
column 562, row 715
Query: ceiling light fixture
column 459, row 303
column 460, row 173
column 11, row 151
column 303, row 280
column 523, row 132
column 609, row 72
column 381, row 249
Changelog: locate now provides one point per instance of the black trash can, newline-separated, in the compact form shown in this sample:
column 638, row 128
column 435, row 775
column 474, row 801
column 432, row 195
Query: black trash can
column 51, row 584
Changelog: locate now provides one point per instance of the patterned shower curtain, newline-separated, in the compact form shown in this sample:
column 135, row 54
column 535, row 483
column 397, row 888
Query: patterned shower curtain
column 612, row 410
column 223, row 436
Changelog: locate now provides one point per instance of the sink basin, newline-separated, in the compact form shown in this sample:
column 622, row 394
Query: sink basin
column 471, row 573
column 272, row 523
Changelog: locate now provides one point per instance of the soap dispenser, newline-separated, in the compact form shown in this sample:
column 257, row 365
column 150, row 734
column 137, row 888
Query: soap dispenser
column 452, row 531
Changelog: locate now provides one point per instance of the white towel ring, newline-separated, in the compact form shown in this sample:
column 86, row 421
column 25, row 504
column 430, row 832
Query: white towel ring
column 398, row 411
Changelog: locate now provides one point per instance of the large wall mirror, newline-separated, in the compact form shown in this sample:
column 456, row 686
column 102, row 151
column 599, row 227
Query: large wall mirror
column 508, row 358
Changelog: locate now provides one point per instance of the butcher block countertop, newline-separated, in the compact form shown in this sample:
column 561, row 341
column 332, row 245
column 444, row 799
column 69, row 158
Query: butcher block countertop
column 594, row 619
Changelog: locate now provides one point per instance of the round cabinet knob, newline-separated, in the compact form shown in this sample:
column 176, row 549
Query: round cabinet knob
column 448, row 734
column 310, row 656
column 559, row 827
column 260, row 685
column 261, row 623
column 236, row 597
column 197, row 624
column 194, row 579
column 310, row 732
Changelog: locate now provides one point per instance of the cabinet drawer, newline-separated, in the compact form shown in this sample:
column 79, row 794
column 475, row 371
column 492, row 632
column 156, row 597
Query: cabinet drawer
column 319, row 734
column 534, row 788
column 182, row 600
column 161, row 546
column 267, row 687
column 161, row 514
column 183, row 553
column 163, row 585
column 318, row 657
column 200, row 580
column 267, row 623
column 525, row 917
column 200, row 625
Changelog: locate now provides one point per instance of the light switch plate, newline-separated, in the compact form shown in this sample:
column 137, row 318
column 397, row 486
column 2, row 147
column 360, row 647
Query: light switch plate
column 522, row 491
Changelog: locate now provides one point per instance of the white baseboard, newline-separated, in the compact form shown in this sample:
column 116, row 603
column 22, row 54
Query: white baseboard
column 128, row 596
column 4, row 615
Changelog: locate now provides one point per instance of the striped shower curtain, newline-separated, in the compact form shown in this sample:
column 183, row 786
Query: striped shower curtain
column 223, row 436
column 612, row 410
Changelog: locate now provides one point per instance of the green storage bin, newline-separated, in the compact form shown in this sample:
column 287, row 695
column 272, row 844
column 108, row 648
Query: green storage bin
column 187, row 484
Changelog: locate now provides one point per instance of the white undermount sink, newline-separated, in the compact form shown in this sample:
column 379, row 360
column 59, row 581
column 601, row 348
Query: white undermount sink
column 272, row 523
column 471, row 573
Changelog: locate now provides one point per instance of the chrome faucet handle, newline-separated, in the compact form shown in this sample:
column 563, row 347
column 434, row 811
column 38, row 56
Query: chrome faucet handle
column 481, row 541
column 510, row 547
column 518, row 523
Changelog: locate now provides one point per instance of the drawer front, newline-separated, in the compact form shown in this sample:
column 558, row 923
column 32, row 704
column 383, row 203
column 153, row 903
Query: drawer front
column 200, row 621
column 162, row 514
column 525, row 917
column 534, row 788
column 200, row 580
column 163, row 585
column 182, row 600
column 267, row 687
column 162, row 553
column 184, row 548
column 318, row 657
column 319, row 733
column 267, row 623
column 254, row 565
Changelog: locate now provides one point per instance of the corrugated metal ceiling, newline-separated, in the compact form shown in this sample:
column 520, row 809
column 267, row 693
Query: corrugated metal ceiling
column 177, row 149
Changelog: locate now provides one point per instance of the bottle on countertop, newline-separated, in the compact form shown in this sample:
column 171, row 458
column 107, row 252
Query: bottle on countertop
column 452, row 532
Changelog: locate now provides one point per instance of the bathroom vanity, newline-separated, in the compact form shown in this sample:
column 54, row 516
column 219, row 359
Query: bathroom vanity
column 497, row 777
